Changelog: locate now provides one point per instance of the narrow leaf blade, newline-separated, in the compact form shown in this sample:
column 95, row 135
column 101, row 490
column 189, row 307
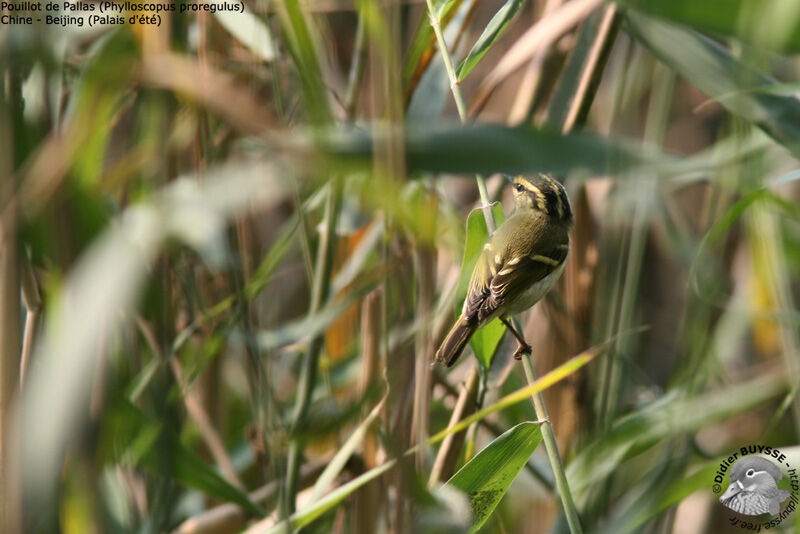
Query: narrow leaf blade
column 486, row 478
column 493, row 31
column 159, row 450
column 771, row 23
column 491, row 148
column 314, row 510
column 673, row 415
column 421, row 50
column 717, row 72
column 338, row 462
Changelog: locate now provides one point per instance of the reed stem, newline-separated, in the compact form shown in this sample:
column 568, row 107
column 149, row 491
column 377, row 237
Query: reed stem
column 308, row 372
column 538, row 402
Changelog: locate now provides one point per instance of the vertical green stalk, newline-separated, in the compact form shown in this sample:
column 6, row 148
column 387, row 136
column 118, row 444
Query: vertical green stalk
column 538, row 402
column 655, row 128
column 308, row 372
column 462, row 110
column 448, row 62
column 357, row 67
column 765, row 234
column 302, row 47
column 551, row 447
column 326, row 247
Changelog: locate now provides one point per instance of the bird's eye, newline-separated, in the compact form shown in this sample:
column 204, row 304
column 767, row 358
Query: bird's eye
column 518, row 188
column 750, row 473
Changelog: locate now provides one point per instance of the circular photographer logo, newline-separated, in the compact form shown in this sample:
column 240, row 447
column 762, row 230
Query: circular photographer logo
column 758, row 484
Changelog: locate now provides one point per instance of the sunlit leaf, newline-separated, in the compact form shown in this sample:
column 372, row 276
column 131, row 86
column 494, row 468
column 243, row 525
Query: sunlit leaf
column 316, row 509
column 486, row 478
column 329, row 502
column 344, row 453
column 97, row 98
column 429, row 89
column 489, row 36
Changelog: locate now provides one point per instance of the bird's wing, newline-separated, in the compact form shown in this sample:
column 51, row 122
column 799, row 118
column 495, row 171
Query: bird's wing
column 502, row 273
column 480, row 284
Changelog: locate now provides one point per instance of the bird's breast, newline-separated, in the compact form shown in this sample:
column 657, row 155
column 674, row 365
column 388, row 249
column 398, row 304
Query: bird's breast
column 523, row 300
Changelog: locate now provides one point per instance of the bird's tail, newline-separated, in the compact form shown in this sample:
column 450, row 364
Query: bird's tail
column 453, row 345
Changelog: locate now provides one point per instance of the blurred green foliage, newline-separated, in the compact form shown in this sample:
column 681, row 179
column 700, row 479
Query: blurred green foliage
column 225, row 208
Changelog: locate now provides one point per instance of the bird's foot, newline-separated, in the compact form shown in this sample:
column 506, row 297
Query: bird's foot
column 522, row 349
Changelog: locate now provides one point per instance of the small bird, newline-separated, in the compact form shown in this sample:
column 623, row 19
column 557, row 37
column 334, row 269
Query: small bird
column 522, row 261
column 754, row 487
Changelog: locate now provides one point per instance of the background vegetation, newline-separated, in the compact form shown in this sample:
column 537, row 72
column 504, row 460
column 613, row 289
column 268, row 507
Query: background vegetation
column 231, row 244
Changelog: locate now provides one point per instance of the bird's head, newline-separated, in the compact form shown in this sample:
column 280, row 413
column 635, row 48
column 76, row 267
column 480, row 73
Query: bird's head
column 752, row 475
column 540, row 192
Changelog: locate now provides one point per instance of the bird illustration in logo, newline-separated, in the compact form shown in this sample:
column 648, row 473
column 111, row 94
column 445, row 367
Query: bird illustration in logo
column 754, row 487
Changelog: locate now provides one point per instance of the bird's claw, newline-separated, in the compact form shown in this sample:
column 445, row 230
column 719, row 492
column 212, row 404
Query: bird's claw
column 522, row 349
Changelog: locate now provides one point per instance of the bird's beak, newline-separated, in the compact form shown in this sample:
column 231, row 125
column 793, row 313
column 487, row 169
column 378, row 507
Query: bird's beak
column 733, row 489
column 509, row 178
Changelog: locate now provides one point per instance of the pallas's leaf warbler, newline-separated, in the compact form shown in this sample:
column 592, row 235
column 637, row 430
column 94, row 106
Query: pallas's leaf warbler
column 521, row 262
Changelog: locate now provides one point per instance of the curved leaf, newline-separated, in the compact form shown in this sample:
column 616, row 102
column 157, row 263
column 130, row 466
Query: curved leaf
column 315, row 509
column 772, row 23
column 420, row 52
column 670, row 416
column 492, row 32
column 344, row 453
column 724, row 223
column 717, row 72
column 156, row 448
column 487, row 477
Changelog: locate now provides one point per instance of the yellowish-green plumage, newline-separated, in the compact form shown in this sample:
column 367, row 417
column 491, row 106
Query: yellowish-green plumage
column 519, row 265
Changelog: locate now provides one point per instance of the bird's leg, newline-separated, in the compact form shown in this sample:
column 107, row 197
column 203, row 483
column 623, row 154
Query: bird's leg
column 522, row 348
